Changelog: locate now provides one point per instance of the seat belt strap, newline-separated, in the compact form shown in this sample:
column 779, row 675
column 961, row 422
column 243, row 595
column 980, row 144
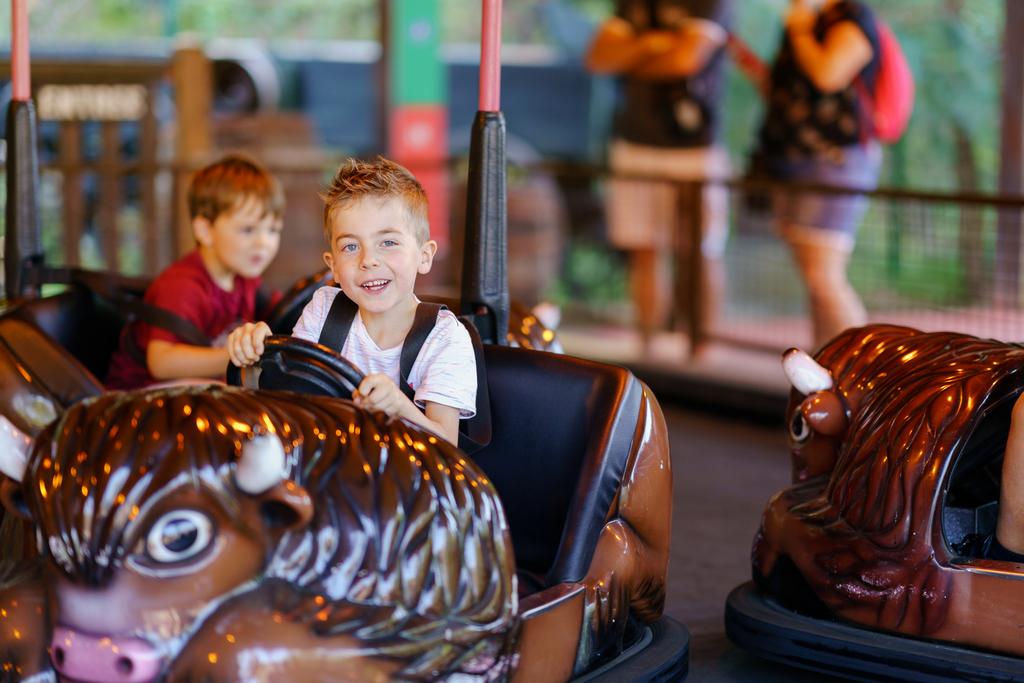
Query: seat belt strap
column 343, row 313
column 475, row 432
column 422, row 326
column 123, row 295
column 338, row 323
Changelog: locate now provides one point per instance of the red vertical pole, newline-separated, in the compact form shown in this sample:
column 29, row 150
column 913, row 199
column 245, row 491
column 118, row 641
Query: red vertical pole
column 490, row 57
column 21, row 84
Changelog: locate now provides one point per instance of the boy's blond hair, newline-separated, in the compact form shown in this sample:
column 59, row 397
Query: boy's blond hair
column 380, row 180
column 226, row 184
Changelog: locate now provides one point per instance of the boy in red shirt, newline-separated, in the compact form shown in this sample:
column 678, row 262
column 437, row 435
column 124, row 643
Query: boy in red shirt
column 236, row 208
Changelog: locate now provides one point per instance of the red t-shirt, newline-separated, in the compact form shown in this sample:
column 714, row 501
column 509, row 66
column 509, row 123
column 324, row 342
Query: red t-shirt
column 187, row 290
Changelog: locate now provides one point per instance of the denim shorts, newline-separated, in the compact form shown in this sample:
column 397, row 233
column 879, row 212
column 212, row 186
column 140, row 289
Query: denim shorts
column 837, row 212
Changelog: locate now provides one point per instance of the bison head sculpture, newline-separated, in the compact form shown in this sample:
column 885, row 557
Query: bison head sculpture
column 225, row 534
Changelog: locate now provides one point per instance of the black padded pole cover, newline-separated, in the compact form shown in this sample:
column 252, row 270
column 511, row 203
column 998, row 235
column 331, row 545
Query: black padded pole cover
column 24, row 242
column 484, row 264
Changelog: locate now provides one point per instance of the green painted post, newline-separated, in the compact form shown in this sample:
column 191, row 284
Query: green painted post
column 418, row 76
column 418, row 89
column 170, row 12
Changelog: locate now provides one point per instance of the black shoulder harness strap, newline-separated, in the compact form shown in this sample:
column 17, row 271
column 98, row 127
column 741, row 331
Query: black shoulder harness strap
column 338, row 323
column 422, row 326
column 124, row 295
column 475, row 432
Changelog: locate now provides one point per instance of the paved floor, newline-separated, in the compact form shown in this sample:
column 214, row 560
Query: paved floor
column 759, row 369
column 724, row 473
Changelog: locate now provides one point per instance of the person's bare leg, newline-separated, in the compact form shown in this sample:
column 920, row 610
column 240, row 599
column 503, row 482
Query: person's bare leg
column 835, row 305
column 1010, row 525
column 713, row 275
column 649, row 280
column 712, row 294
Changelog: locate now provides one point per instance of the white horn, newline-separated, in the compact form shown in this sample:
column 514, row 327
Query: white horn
column 804, row 373
column 261, row 465
column 14, row 448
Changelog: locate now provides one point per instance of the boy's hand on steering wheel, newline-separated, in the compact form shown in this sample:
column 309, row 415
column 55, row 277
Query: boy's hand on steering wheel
column 379, row 392
column 245, row 343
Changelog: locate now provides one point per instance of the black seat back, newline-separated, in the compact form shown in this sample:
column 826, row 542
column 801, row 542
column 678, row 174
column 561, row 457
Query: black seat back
column 562, row 429
column 81, row 322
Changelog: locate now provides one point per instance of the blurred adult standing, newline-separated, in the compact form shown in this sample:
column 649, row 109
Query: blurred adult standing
column 816, row 131
column 669, row 55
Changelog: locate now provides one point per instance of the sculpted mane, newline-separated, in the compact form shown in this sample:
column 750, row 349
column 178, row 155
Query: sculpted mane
column 406, row 534
column 910, row 396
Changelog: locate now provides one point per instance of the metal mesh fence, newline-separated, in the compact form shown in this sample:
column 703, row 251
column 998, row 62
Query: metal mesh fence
column 925, row 262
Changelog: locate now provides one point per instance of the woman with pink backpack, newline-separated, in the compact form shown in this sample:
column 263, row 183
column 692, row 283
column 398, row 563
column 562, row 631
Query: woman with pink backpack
column 821, row 128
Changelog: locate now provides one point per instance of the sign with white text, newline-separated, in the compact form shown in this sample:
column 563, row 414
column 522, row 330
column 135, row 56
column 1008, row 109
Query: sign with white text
column 91, row 102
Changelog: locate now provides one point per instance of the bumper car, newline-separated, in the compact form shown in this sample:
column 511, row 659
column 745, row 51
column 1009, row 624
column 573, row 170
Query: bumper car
column 277, row 532
column 862, row 567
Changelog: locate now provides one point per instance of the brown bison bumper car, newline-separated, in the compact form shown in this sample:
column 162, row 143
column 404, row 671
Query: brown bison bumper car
column 369, row 551
column 859, row 570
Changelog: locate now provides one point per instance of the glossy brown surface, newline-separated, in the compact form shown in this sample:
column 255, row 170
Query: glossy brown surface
column 628, row 572
column 551, row 623
column 404, row 569
column 863, row 522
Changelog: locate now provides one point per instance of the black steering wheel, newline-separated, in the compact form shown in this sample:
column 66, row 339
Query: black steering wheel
column 292, row 364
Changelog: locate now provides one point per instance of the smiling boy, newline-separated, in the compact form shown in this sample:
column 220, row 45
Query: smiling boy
column 378, row 236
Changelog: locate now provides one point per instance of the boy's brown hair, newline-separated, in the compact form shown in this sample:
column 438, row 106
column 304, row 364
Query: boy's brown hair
column 225, row 184
column 380, row 180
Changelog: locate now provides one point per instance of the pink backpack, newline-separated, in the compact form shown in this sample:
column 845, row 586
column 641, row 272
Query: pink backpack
column 888, row 109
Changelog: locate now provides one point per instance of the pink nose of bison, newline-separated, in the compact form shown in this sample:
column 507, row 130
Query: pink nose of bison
column 96, row 659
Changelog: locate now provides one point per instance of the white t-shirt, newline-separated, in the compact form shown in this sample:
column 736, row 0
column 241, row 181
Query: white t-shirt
column 444, row 371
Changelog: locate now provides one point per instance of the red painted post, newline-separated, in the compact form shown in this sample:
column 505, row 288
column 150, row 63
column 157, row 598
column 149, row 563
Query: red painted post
column 490, row 57
column 21, row 84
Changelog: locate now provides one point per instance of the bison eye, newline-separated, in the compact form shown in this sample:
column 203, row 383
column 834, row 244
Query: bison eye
column 799, row 430
column 178, row 536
